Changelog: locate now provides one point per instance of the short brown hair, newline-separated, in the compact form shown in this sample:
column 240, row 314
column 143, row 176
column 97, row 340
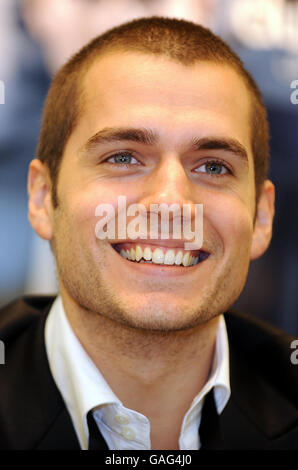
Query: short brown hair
column 180, row 40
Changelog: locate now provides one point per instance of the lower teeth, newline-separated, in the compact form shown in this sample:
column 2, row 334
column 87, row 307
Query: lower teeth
column 143, row 261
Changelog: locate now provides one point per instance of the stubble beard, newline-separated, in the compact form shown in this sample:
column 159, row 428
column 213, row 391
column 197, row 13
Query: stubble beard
column 90, row 292
column 80, row 277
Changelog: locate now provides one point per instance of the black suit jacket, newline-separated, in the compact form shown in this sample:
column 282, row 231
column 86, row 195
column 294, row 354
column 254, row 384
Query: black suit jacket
column 262, row 412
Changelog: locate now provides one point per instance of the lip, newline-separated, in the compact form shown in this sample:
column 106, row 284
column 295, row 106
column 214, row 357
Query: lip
column 170, row 243
column 160, row 270
column 161, row 243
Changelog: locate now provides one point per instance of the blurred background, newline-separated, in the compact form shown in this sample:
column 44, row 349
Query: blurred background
column 38, row 36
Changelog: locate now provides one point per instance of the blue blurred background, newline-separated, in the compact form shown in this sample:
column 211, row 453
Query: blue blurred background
column 37, row 37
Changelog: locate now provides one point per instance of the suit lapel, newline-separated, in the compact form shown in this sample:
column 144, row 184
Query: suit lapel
column 33, row 409
column 60, row 435
column 257, row 415
column 261, row 412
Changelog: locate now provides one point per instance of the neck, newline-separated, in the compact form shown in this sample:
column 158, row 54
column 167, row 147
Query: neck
column 155, row 373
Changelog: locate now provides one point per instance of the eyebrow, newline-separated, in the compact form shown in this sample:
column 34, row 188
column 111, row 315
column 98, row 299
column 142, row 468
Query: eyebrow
column 220, row 143
column 112, row 134
column 148, row 137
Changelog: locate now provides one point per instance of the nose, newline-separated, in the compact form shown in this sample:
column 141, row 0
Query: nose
column 168, row 184
column 169, row 199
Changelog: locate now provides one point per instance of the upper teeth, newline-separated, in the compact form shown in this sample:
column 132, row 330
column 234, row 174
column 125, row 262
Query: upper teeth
column 159, row 257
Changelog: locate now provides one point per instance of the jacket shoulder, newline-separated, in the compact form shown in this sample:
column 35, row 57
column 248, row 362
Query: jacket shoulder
column 265, row 349
column 32, row 412
column 19, row 314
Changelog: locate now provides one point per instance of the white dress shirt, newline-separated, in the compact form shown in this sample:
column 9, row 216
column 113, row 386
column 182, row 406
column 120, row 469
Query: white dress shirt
column 83, row 388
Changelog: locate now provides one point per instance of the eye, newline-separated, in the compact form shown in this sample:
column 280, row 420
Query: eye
column 213, row 168
column 122, row 158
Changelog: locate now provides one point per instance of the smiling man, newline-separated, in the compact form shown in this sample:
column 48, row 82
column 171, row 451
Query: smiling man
column 139, row 350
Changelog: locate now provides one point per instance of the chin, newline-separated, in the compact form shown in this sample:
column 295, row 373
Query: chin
column 162, row 317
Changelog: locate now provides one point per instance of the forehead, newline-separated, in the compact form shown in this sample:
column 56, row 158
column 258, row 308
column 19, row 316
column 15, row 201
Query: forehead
column 136, row 89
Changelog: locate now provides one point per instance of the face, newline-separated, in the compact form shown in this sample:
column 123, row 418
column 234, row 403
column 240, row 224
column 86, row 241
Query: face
column 199, row 152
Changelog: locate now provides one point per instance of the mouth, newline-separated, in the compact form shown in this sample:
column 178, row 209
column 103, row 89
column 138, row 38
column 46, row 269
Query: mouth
column 160, row 255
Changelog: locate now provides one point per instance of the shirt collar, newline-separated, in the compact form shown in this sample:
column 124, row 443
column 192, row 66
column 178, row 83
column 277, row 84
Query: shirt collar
column 83, row 387
column 78, row 379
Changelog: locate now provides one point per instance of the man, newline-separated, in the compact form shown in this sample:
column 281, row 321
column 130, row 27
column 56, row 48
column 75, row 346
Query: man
column 136, row 355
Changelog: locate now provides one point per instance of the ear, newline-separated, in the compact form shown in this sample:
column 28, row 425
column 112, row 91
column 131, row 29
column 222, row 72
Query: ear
column 264, row 220
column 40, row 205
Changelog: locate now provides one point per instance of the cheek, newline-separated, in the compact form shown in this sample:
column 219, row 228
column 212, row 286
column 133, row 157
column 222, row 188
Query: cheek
column 231, row 222
column 84, row 214
column 85, row 206
column 239, row 229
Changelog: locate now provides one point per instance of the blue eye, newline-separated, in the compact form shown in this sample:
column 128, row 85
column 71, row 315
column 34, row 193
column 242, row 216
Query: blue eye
column 213, row 168
column 122, row 158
